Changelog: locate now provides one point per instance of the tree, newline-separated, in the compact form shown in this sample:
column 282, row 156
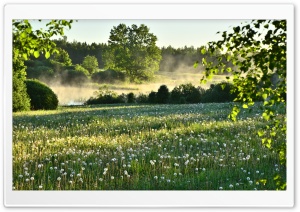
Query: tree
column 90, row 63
column 28, row 43
column 62, row 57
column 258, row 50
column 133, row 50
column 185, row 93
column 162, row 95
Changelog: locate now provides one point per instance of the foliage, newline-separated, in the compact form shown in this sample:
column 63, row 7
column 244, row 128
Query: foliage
column 185, row 93
column 133, row 50
column 62, row 57
column 82, row 70
column 162, row 95
column 108, row 76
column 142, row 98
column 73, row 77
column 152, row 97
column 28, row 43
column 258, row 50
column 21, row 101
column 90, row 63
column 105, row 96
column 220, row 92
column 41, row 96
column 130, row 98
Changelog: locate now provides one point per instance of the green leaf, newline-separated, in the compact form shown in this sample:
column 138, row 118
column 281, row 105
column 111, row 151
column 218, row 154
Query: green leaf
column 264, row 96
column 196, row 64
column 260, row 133
column 47, row 55
column 266, row 116
column 245, row 106
column 203, row 51
column 25, row 56
column 204, row 61
column 36, row 54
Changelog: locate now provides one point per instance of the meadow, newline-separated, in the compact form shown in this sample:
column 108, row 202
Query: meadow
column 142, row 147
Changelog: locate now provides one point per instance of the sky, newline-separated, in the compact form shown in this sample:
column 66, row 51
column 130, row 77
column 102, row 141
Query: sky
column 177, row 33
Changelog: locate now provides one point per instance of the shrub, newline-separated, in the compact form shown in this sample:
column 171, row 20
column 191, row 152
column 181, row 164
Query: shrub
column 108, row 76
column 73, row 77
column 152, row 97
column 106, row 97
column 220, row 92
column 41, row 96
column 186, row 93
column 130, row 98
column 162, row 95
column 142, row 98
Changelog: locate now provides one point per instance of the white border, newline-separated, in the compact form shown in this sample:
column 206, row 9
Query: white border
column 146, row 198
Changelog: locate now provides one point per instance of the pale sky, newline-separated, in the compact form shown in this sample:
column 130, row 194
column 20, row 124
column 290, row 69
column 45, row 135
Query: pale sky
column 177, row 33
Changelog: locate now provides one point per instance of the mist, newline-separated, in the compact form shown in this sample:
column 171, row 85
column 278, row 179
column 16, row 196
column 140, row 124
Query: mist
column 78, row 94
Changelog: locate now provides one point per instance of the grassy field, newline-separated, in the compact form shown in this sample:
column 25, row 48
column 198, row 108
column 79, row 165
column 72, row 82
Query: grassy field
column 142, row 147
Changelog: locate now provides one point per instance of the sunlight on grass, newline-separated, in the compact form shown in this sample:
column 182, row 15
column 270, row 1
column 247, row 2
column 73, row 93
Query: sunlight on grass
column 145, row 147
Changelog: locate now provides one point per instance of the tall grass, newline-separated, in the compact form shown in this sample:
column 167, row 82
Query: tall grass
column 142, row 147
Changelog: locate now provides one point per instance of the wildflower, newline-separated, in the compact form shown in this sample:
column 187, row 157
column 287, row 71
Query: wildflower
column 250, row 182
column 20, row 176
column 100, row 179
column 112, row 177
column 27, row 180
column 248, row 178
column 186, row 162
column 237, row 184
column 70, row 181
column 220, row 188
column 230, row 186
column 32, row 178
column 59, row 178
column 155, row 177
column 257, row 172
column 40, row 166
column 40, row 186
column 152, row 162
column 168, row 180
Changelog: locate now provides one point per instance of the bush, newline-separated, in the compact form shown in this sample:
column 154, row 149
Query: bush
column 108, row 76
column 130, row 98
column 41, row 96
column 186, row 93
column 106, row 97
column 142, row 98
column 73, row 77
column 162, row 95
column 219, row 93
column 152, row 97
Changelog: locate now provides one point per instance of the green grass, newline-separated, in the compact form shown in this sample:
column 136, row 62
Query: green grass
column 142, row 147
